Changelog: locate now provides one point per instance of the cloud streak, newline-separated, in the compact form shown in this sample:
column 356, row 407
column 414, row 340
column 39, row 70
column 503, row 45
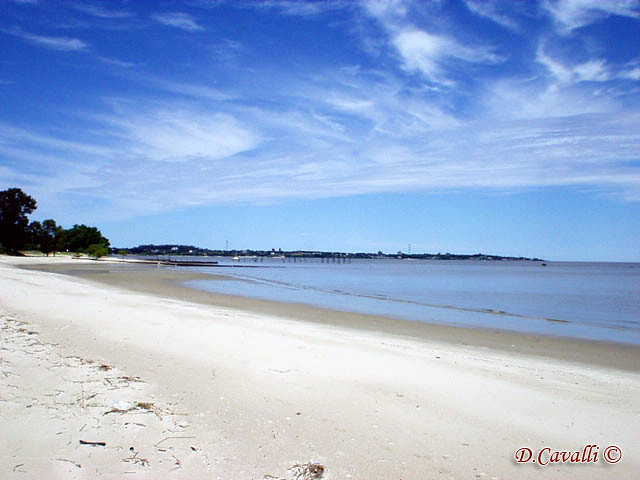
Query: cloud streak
column 573, row 14
column 64, row 44
column 491, row 10
column 183, row 21
column 100, row 11
column 430, row 53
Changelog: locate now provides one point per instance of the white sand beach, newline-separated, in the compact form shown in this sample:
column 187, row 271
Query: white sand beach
column 184, row 389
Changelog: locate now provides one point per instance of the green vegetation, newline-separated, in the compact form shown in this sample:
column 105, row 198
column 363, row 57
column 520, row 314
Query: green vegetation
column 97, row 250
column 17, row 233
column 15, row 206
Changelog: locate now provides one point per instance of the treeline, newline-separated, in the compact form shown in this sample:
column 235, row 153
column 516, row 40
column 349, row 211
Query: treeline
column 190, row 250
column 16, row 233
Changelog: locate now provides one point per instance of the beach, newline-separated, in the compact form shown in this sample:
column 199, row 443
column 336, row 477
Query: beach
column 182, row 383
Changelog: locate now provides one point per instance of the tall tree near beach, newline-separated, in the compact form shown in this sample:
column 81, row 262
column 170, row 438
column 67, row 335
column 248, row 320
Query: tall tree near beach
column 15, row 206
column 80, row 237
column 45, row 236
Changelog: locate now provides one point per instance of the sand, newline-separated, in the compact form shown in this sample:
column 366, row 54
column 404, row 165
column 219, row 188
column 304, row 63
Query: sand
column 179, row 385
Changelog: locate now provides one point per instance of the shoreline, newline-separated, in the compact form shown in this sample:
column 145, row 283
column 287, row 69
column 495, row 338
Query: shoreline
column 165, row 282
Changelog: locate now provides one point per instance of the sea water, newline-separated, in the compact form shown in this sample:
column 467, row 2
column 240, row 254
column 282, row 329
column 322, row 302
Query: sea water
column 584, row 300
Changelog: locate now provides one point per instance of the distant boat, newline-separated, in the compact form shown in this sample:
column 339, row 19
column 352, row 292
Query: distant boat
column 235, row 258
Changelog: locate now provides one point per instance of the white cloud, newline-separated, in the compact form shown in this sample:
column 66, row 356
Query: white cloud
column 183, row 21
column 98, row 10
column 53, row 43
column 490, row 10
column 428, row 53
column 573, row 14
column 633, row 74
column 177, row 135
column 118, row 63
column 432, row 54
column 592, row 71
column 297, row 8
column 513, row 99
column 189, row 89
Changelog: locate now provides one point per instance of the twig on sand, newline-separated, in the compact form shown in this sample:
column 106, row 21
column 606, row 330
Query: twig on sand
column 93, row 444
column 70, row 461
column 157, row 445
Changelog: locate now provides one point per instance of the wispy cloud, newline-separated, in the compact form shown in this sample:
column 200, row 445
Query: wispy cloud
column 118, row 63
column 180, row 20
column 297, row 8
column 572, row 14
column 99, row 10
column 66, row 44
column 633, row 74
column 429, row 53
column 594, row 70
column 178, row 133
column 491, row 10
column 432, row 54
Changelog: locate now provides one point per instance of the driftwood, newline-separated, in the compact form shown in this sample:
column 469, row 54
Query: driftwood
column 93, row 444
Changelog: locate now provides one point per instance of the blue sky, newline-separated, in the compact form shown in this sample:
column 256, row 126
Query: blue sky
column 462, row 126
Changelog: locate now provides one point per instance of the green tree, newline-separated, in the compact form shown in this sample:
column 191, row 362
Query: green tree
column 45, row 236
column 80, row 237
column 51, row 237
column 34, row 234
column 97, row 250
column 15, row 206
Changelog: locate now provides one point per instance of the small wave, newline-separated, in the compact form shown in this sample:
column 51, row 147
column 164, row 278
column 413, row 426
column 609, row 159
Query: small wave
column 489, row 311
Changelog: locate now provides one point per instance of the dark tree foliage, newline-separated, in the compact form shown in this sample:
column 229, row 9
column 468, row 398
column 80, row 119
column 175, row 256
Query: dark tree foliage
column 34, row 235
column 16, row 231
column 80, row 237
column 15, row 206
column 52, row 237
column 45, row 236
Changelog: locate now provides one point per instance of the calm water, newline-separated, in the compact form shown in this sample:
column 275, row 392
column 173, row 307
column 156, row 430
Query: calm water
column 584, row 300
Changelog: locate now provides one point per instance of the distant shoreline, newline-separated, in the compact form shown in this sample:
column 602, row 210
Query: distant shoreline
column 190, row 250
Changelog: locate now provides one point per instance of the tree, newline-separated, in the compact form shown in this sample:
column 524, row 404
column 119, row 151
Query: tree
column 15, row 205
column 51, row 237
column 34, row 232
column 80, row 237
column 97, row 250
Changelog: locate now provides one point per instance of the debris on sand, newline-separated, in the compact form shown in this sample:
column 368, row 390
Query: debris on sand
column 307, row 471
